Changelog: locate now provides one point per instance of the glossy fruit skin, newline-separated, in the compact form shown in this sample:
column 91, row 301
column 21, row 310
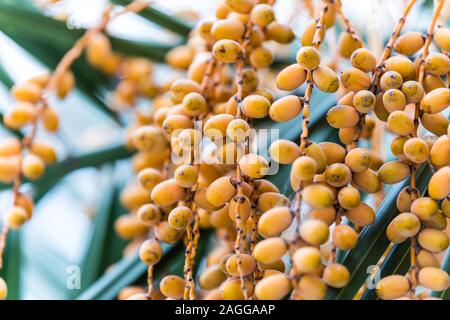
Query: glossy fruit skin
column 247, row 265
column 433, row 240
column 336, row 275
column 291, row 77
column 274, row 221
column 363, row 59
column 307, row 260
column 269, row 250
column 230, row 289
column 172, row 287
column 227, row 51
column 273, row 287
column 308, row 58
column 314, row 231
column 285, row 109
column 150, row 252
column 434, row 278
column 392, row 287
column 325, row 79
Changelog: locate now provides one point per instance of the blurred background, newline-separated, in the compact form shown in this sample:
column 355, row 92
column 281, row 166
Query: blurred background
column 74, row 210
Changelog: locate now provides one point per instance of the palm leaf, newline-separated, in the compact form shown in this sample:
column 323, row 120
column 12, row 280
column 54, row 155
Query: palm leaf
column 11, row 264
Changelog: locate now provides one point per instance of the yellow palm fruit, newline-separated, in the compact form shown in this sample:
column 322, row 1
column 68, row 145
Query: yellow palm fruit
column 342, row 117
column 436, row 100
column 26, row 203
column 149, row 138
column 220, row 191
column 318, row 196
column 240, row 6
column 427, row 259
column 211, row 278
column 227, row 51
column 50, row 119
column 334, row 152
column 149, row 214
column 186, row 175
column 173, row 124
column 445, row 207
column 181, row 87
column 172, row 287
column 363, row 59
column 98, row 49
column 27, row 92
column 349, row 197
column 33, row 167
column 150, row 252
column 436, row 123
column 409, row 43
column 133, row 196
column 308, row 58
column 307, row 260
column 406, row 224
column 280, row 33
column 284, row 151
column 215, row 127
column 314, row 151
column 344, row 237
column 441, row 38
column 44, row 150
column 432, row 82
column 250, row 81
column 437, row 63
column 439, row 184
column 274, row 221
column 366, row 181
column 327, row 215
column 167, row 193
column 438, row 222
column 400, row 123
column 232, row 29
column 397, row 145
column 358, row 160
column 41, row 80
column 238, row 130
column 336, row 275
column 244, row 211
column 364, row 101
column 433, row 240
column 417, row 150
column 149, row 178
column 304, row 168
column 132, row 293
column 354, row 79
column 128, row 227
column 165, row 233
column 180, row 217
column 220, row 218
column 15, row 217
column 325, row 79
column 361, row 215
column 338, row 175
column 314, row 231
column 276, row 266
column 347, row 135
column 311, row 287
column 402, row 65
column 393, row 172
column 405, row 199
column 269, row 250
column 434, row 279
column 194, row 104
column 267, row 93
column 255, row 106
column 391, row 80
column 262, row 15
column 19, row 116
column 392, row 287
column 348, row 44
column 3, row 289
column 413, row 91
column 262, row 186
column 308, row 34
column 273, row 287
column 180, row 57
column 291, row 77
column 254, row 165
column 379, row 110
column 285, row 109
column 231, row 289
column 269, row 200
column 65, row 84
column 10, row 147
column 440, row 152
column 247, row 264
column 261, row 57
column 393, row 100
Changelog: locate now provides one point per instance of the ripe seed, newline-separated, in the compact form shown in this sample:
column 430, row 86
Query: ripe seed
column 186, row 175
column 220, row 192
column 334, row 152
column 307, row 260
column 216, row 126
column 433, row 240
column 274, row 221
column 232, row 29
column 274, row 287
column 269, row 250
column 240, row 6
column 262, row 15
column 440, row 152
column 425, row 208
column 261, row 57
column 167, row 193
column 33, row 167
column 439, row 184
column 393, row 172
column 349, row 197
column 308, row 58
column 437, row 63
column 338, row 175
column 394, row 99
column 50, row 120
column 363, row 59
column 284, row 151
column 413, row 91
column 344, row 237
column 400, row 124
column 311, row 287
column 392, row 287
column 149, row 178
column 402, row 65
column 280, row 33
column 427, row 259
column 150, row 252
column 406, row 224
column 434, row 279
column 348, row 44
column 325, row 79
column 43, row 150
column 362, row 215
column 65, row 84
column 247, row 265
column 355, row 80
column 149, row 214
column 364, row 101
column 342, row 117
column 409, row 43
column 167, row 234
column 436, row 123
column 172, row 287
column 245, row 208
column 327, row 215
column 291, row 77
column 15, row 217
column 314, row 231
column 358, row 160
column 315, row 151
column 336, row 275
column 432, row 82
column 254, row 166
column 211, row 278
column 405, row 199
column 390, row 80
column 441, row 37
column 149, row 138
column 367, row 181
column 255, row 106
column 308, row 34
column 269, row 200
column 285, row 109
column 417, row 150
column 227, row 51
column 194, row 104
column 231, row 289
column 180, row 217
column 318, row 196
column 128, row 227
column 27, row 92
